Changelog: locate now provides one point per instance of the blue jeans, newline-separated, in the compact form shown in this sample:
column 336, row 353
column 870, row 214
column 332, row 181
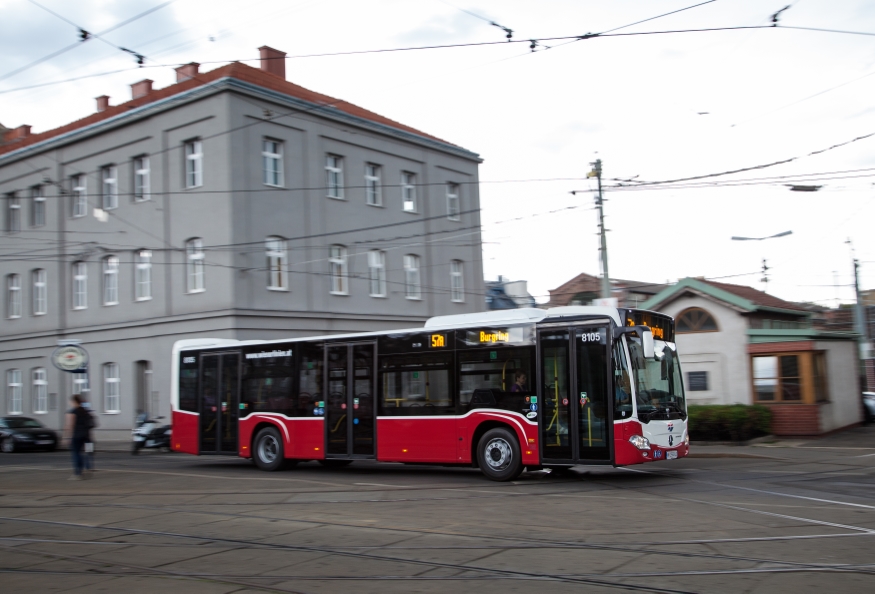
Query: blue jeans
column 76, row 446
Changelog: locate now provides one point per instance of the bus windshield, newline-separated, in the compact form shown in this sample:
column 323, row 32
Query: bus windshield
column 659, row 389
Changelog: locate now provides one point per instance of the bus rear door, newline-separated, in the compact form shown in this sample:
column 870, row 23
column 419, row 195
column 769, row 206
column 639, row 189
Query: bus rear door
column 219, row 402
column 575, row 416
column 350, row 420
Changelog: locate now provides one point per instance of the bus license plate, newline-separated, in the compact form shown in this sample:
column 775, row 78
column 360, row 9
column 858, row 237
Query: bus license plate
column 671, row 455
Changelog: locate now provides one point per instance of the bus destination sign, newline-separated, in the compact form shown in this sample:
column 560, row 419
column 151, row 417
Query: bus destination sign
column 662, row 327
column 438, row 341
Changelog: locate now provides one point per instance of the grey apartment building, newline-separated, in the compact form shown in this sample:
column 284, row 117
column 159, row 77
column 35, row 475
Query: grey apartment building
column 231, row 204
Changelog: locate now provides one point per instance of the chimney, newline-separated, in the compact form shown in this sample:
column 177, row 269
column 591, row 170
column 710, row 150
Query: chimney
column 102, row 103
column 273, row 61
column 141, row 89
column 17, row 133
column 187, row 71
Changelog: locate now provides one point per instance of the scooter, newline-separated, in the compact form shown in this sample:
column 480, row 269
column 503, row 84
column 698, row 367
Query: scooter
column 149, row 433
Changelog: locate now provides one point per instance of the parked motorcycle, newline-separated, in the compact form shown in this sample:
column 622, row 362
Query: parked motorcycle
column 149, row 433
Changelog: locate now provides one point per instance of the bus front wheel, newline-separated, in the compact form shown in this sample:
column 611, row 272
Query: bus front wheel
column 268, row 449
column 498, row 454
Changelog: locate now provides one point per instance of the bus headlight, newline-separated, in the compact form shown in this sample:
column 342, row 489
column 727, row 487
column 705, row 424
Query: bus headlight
column 687, row 439
column 640, row 442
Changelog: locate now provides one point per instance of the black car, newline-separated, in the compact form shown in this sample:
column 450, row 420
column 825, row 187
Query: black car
column 24, row 433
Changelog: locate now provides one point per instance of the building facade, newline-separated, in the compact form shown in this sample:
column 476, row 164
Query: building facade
column 232, row 204
column 738, row 345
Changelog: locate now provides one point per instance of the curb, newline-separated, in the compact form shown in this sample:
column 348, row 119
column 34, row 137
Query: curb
column 749, row 442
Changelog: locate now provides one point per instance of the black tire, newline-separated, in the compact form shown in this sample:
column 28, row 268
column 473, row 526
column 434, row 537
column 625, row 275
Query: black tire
column 498, row 455
column 332, row 463
column 135, row 448
column 7, row 445
column 267, row 450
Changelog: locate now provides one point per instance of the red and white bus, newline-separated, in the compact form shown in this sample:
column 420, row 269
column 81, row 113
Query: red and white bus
column 504, row 391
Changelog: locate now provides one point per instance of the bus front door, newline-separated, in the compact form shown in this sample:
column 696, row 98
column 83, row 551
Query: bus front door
column 350, row 420
column 219, row 403
column 575, row 421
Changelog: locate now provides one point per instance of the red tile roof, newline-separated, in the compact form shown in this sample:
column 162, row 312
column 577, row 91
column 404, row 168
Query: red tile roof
column 755, row 296
column 235, row 70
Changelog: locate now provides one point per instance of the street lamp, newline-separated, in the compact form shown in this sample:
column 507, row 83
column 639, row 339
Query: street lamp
column 765, row 279
column 782, row 234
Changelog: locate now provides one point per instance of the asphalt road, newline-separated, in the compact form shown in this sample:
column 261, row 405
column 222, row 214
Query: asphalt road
column 787, row 517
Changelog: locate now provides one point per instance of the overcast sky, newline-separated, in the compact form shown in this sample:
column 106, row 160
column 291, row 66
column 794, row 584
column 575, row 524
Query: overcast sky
column 659, row 107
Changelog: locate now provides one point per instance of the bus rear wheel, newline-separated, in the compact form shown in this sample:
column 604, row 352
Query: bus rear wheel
column 267, row 451
column 498, row 455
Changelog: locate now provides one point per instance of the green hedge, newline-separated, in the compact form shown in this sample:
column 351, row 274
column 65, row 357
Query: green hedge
column 735, row 422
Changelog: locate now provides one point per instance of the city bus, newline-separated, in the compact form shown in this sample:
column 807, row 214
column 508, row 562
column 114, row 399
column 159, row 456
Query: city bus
column 503, row 391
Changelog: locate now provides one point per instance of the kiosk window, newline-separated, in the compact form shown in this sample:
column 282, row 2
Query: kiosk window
column 416, row 385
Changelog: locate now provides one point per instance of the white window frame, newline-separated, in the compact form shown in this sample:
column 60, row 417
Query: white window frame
column 373, row 186
column 142, row 181
column 40, row 292
column 13, row 296
column 194, row 266
column 457, row 281
column 453, row 201
column 111, row 388
column 13, row 391
column 80, row 384
column 13, row 213
column 38, row 206
column 408, row 191
column 377, row 272
column 109, row 187
column 334, row 176
column 79, row 195
column 272, row 162
column 110, row 280
column 39, row 396
column 80, row 285
column 412, row 277
column 142, row 275
column 277, row 264
column 338, row 270
column 194, row 163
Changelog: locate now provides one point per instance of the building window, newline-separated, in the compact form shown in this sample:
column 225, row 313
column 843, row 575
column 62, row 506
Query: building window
column 334, row 171
column 412, row 286
column 408, row 191
column 13, row 296
column 109, row 178
column 80, row 383
column 194, row 164
column 80, row 285
column 457, row 283
column 377, row 272
column 194, row 253
column 40, row 292
column 78, row 196
column 13, row 213
column 337, row 264
column 111, row 388
column 143, row 275
column 697, row 381
column 13, row 391
column 695, row 319
column 277, row 263
column 38, row 206
column 272, row 158
column 453, row 209
column 141, row 178
column 777, row 378
column 373, row 191
column 39, row 397
column 110, row 280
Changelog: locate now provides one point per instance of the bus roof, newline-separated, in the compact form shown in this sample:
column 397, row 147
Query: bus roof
column 526, row 315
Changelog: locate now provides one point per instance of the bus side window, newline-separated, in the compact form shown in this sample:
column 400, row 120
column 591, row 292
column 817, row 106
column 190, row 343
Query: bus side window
column 622, row 384
column 309, row 378
column 188, row 387
column 267, row 384
column 498, row 378
column 416, row 385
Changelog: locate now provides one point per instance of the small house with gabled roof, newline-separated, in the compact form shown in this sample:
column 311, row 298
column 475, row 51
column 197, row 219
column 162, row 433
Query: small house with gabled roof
column 739, row 345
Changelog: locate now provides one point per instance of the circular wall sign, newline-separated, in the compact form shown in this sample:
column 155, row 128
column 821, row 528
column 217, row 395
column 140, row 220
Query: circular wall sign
column 70, row 358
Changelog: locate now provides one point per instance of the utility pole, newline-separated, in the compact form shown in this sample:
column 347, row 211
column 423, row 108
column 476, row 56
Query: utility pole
column 599, row 201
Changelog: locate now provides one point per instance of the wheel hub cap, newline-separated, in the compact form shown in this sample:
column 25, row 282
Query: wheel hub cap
column 498, row 454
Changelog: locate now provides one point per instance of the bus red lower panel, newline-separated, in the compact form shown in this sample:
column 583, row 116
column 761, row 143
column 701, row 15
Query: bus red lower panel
column 303, row 438
column 186, row 432
column 417, row 439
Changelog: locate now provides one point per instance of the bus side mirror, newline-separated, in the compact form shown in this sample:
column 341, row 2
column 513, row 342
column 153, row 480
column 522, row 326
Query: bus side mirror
column 644, row 334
